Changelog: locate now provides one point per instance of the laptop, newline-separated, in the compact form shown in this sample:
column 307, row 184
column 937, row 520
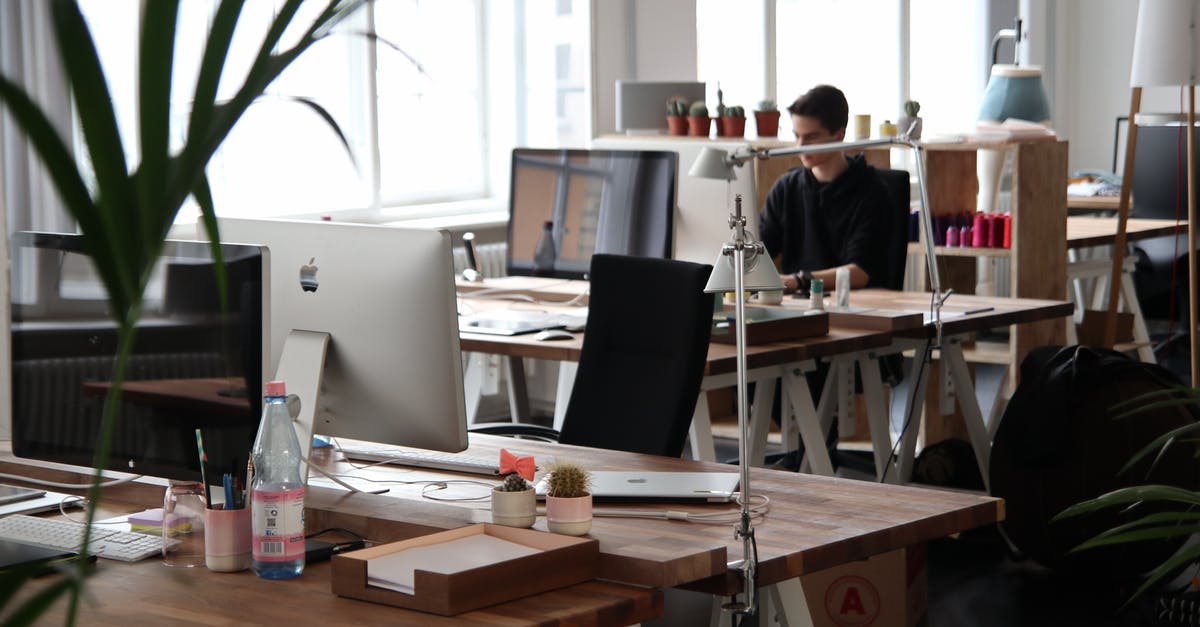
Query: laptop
column 619, row 485
column 517, row 322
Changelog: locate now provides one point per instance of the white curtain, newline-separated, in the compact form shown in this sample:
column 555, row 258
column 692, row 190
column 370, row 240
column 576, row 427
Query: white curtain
column 27, row 199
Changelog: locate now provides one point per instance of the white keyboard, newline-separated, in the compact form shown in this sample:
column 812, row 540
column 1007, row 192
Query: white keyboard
column 66, row 535
column 420, row 458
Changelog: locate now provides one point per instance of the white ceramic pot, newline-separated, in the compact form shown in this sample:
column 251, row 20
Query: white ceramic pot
column 514, row 509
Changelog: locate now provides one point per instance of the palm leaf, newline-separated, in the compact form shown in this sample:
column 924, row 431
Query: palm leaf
column 1182, row 558
column 1131, row 495
column 155, row 58
column 1161, row 444
column 329, row 120
column 1177, row 395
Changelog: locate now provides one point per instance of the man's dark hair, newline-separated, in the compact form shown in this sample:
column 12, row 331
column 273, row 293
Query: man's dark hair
column 826, row 103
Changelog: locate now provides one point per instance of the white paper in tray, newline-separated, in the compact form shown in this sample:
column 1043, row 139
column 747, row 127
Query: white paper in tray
column 395, row 570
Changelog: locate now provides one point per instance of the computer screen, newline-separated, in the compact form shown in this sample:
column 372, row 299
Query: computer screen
column 595, row 201
column 1159, row 184
column 393, row 368
column 193, row 367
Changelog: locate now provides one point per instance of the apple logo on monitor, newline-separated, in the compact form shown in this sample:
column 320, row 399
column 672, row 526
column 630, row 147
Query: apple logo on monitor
column 308, row 276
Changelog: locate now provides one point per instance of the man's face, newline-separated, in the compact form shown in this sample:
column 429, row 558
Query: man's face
column 809, row 131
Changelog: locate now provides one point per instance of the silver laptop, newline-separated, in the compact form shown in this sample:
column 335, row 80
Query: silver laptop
column 619, row 485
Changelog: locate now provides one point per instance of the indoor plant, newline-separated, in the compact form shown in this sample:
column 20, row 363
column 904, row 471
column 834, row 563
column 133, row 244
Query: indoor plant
column 766, row 119
column 513, row 501
column 910, row 123
column 124, row 216
column 698, row 120
column 569, row 499
column 677, row 111
column 733, row 122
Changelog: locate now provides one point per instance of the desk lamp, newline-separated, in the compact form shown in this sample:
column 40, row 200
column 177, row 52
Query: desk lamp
column 1165, row 53
column 743, row 264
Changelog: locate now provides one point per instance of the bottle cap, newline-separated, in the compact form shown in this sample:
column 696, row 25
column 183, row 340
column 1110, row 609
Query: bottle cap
column 276, row 388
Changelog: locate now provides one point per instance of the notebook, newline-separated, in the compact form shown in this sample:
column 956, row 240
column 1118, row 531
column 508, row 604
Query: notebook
column 617, row 485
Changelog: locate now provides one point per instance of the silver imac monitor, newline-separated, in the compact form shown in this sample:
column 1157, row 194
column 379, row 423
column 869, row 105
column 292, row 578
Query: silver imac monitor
column 393, row 368
column 642, row 106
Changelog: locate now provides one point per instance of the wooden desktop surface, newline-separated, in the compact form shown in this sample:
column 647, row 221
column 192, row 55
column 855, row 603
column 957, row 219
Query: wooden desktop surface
column 1094, row 231
column 149, row 593
column 989, row 311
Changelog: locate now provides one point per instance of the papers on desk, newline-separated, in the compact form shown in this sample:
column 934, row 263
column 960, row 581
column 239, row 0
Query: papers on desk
column 395, row 571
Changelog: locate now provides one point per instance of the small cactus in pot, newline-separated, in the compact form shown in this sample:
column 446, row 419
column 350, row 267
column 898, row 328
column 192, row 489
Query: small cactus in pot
column 910, row 123
column 698, row 120
column 513, row 501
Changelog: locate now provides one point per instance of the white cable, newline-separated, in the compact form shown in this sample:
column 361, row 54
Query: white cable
column 334, row 479
column 69, row 486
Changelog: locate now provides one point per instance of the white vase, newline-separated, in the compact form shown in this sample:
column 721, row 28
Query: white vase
column 514, row 509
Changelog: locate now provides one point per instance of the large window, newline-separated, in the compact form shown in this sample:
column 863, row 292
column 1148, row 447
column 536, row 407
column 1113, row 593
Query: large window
column 879, row 52
column 430, row 124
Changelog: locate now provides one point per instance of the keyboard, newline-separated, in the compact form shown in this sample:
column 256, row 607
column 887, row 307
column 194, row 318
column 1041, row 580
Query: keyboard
column 420, row 458
column 66, row 535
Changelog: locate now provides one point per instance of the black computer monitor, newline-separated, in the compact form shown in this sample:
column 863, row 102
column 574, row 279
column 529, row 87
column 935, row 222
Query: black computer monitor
column 193, row 366
column 598, row 201
column 1159, row 184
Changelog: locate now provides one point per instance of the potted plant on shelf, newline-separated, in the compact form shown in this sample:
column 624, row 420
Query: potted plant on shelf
column 733, row 122
column 124, row 214
column 513, row 502
column 910, row 123
column 698, row 120
column 569, row 499
column 766, row 119
column 677, row 112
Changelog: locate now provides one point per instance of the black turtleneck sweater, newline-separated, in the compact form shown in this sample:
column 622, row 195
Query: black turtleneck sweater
column 823, row 225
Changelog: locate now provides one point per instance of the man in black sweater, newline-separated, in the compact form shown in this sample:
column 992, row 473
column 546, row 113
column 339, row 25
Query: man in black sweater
column 833, row 212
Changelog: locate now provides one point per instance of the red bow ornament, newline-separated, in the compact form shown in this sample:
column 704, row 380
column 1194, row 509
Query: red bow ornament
column 522, row 465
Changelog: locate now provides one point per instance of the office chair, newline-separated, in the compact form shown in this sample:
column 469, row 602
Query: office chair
column 897, row 183
column 648, row 328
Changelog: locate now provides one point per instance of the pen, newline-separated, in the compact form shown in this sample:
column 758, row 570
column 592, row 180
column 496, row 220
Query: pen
column 975, row 311
column 203, row 476
column 227, row 480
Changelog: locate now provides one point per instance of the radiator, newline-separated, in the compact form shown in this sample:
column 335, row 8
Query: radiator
column 490, row 258
column 49, row 404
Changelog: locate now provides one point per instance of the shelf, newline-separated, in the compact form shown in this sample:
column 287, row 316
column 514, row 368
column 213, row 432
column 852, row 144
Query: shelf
column 915, row 248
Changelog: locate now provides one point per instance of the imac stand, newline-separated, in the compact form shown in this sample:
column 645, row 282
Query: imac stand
column 301, row 366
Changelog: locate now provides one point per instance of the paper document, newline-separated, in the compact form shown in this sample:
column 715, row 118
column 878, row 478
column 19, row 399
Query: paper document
column 395, row 571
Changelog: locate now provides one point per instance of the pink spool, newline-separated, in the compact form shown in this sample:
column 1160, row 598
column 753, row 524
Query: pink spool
column 951, row 236
column 979, row 232
column 996, row 239
column 1007, row 230
column 964, row 236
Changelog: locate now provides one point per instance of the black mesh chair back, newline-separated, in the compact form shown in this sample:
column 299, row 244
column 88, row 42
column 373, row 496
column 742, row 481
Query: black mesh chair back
column 897, row 184
column 648, row 327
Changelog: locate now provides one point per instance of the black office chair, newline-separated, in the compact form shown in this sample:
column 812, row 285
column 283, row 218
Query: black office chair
column 897, row 182
column 648, row 327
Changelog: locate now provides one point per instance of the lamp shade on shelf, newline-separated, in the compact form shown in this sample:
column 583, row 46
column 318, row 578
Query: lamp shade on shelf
column 712, row 163
column 1165, row 50
column 760, row 273
column 1015, row 92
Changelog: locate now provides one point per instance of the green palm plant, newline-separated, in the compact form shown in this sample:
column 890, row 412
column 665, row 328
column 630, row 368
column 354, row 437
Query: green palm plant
column 125, row 216
column 1168, row 511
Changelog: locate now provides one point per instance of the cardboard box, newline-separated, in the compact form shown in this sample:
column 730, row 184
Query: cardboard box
column 559, row 561
column 888, row 590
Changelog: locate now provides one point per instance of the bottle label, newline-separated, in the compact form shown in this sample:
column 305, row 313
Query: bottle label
column 278, row 523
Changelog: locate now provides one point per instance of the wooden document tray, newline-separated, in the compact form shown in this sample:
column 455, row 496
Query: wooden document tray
column 560, row 561
column 771, row 324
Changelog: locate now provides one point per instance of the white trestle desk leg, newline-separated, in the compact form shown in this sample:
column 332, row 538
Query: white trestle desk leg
column 1129, row 294
column 914, row 408
column 562, row 392
column 760, row 419
column 700, row 437
column 808, row 422
column 877, row 417
column 980, row 441
column 518, row 395
column 843, row 365
column 301, row 366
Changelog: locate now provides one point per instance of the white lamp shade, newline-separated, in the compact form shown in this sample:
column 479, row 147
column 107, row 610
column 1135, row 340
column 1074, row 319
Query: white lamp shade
column 760, row 274
column 712, row 163
column 1164, row 44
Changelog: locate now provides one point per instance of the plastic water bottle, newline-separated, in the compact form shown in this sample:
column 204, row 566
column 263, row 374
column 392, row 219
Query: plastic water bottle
column 544, row 255
column 277, row 492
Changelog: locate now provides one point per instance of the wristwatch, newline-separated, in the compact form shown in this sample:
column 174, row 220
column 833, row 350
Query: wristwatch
column 803, row 280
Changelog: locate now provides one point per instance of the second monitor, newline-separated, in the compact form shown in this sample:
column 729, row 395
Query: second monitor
column 566, row 205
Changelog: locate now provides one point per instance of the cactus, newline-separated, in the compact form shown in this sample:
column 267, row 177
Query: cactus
column 677, row 106
column 912, row 108
column 735, row 112
column 766, row 105
column 568, row 480
column 513, row 482
column 698, row 109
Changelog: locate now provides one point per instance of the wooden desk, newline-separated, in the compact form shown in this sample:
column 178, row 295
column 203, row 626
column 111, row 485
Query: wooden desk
column 1092, row 231
column 1093, row 203
column 150, row 593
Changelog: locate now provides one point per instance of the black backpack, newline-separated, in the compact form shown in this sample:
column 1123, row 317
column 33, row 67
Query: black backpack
column 1058, row 444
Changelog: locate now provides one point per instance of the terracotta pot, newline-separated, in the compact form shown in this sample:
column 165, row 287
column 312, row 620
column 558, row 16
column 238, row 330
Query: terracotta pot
column 733, row 127
column 569, row 516
column 766, row 123
column 677, row 125
column 698, row 125
column 514, row 509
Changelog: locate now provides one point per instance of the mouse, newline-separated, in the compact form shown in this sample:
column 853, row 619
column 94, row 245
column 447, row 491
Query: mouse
column 552, row 334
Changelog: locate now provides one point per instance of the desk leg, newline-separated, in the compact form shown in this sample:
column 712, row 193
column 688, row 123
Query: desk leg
column 915, row 404
column 518, row 395
column 877, row 416
column 473, row 377
column 760, row 419
column 562, row 393
column 808, row 422
column 700, row 437
column 1140, row 334
column 952, row 355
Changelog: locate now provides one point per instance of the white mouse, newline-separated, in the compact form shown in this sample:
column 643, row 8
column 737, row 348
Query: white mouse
column 552, row 334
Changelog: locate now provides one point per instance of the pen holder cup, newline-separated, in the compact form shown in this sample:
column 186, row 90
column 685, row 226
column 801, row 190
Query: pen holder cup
column 227, row 539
